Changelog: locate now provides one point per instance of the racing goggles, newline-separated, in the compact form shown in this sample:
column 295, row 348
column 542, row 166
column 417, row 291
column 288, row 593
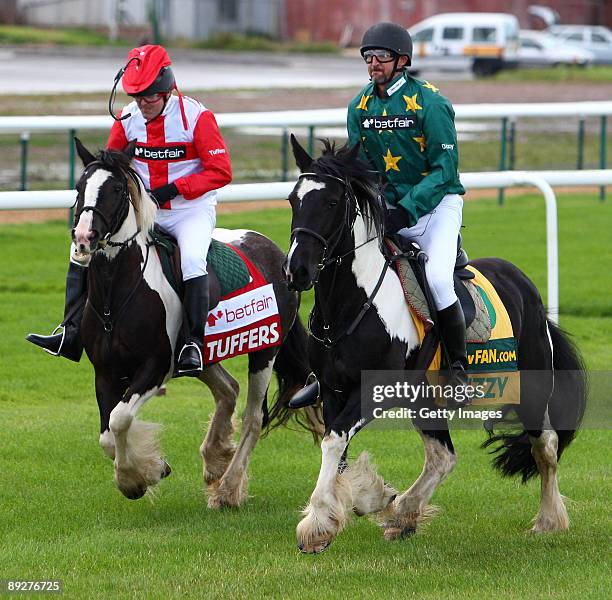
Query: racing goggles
column 383, row 56
column 152, row 99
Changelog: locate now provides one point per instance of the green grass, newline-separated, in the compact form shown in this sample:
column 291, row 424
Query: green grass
column 561, row 74
column 62, row 517
column 21, row 34
column 239, row 42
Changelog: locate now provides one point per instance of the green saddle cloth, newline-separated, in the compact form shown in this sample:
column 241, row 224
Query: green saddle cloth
column 230, row 269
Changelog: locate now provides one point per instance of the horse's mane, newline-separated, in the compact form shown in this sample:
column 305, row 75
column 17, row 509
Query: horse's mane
column 345, row 163
column 144, row 206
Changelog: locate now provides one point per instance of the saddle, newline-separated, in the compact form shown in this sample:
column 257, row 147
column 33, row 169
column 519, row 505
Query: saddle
column 410, row 267
column 227, row 271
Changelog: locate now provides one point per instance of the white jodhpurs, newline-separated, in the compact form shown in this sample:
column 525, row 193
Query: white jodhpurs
column 436, row 233
column 192, row 227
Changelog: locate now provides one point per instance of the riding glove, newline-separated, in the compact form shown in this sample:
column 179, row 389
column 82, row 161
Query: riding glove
column 164, row 194
column 396, row 219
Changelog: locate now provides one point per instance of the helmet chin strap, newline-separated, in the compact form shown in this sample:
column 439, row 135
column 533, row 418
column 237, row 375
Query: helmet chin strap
column 393, row 72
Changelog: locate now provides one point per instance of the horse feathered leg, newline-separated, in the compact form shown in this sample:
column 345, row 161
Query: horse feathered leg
column 138, row 464
column 232, row 489
column 218, row 447
column 330, row 503
column 337, row 488
column 369, row 491
column 552, row 515
column 403, row 516
column 108, row 394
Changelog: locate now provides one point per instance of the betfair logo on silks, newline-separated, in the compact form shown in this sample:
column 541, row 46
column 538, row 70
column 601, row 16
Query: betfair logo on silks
column 160, row 153
column 390, row 122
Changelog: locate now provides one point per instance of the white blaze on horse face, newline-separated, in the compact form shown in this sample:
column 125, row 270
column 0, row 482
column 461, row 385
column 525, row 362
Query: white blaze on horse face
column 92, row 190
column 389, row 302
column 305, row 186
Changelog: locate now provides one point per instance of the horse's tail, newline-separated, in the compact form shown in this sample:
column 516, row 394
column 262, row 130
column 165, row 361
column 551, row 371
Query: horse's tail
column 565, row 411
column 292, row 369
column 568, row 403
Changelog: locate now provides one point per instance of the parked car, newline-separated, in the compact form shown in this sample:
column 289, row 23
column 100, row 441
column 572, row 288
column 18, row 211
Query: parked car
column 593, row 38
column 541, row 49
column 482, row 42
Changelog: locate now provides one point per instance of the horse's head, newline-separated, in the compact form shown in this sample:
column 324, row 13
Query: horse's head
column 107, row 193
column 325, row 205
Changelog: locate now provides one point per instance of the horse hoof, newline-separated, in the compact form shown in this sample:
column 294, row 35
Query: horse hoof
column 399, row 533
column 167, row 470
column 407, row 532
column 315, row 547
column 134, row 494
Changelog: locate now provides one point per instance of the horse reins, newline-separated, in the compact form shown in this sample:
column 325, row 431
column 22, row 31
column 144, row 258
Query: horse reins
column 106, row 318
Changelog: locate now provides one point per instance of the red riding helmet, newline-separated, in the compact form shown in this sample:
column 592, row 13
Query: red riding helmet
column 148, row 71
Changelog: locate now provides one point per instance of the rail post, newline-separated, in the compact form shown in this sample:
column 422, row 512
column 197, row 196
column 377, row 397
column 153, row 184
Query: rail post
column 580, row 158
column 502, row 156
column 23, row 142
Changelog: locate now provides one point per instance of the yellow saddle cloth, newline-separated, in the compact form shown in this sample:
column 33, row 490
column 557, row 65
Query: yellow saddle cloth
column 492, row 364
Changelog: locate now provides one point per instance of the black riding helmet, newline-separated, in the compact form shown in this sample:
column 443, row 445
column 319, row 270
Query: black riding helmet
column 163, row 83
column 388, row 36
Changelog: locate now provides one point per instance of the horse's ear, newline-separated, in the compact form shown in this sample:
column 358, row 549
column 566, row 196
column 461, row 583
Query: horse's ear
column 302, row 159
column 130, row 149
column 85, row 155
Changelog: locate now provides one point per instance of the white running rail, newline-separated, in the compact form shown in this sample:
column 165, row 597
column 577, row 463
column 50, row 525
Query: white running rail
column 543, row 180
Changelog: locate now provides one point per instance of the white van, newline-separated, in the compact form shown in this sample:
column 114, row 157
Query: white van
column 482, row 42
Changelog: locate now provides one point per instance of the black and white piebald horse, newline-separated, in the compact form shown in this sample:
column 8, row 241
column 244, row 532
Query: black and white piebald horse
column 336, row 247
column 132, row 341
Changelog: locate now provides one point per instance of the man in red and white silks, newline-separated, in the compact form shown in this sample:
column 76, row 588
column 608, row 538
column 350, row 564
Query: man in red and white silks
column 182, row 159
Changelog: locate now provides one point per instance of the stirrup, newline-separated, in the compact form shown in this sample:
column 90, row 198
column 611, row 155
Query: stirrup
column 196, row 370
column 308, row 395
column 59, row 328
column 459, row 381
column 54, row 332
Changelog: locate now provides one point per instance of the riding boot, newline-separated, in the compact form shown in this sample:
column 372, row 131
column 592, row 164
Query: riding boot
column 190, row 361
column 451, row 323
column 308, row 395
column 67, row 342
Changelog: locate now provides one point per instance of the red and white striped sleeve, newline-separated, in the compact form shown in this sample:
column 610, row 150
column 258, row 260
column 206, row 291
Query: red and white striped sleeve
column 117, row 139
column 214, row 156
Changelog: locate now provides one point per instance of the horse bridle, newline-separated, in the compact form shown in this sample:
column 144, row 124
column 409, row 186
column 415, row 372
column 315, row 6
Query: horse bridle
column 119, row 216
column 329, row 244
column 349, row 195
column 108, row 320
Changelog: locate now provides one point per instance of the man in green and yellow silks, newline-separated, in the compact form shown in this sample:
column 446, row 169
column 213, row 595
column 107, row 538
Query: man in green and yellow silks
column 406, row 130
